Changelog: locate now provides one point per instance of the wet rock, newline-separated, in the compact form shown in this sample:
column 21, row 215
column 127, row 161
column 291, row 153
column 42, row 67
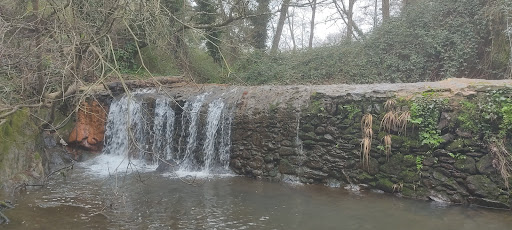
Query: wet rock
column 385, row 185
column 488, row 203
column 481, row 186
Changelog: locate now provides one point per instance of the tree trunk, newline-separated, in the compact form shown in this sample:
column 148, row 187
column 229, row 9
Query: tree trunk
column 312, row 30
column 280, row 25
column 260, row 23
column 385, row 10
column 38, row 48
column 375, row 16
column 350, row 19
column 292, row 34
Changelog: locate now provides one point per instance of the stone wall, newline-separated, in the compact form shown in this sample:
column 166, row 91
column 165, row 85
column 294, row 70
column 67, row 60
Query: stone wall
column 453, row 147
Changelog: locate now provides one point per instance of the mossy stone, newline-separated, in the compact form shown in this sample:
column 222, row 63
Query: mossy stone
column 385, row 185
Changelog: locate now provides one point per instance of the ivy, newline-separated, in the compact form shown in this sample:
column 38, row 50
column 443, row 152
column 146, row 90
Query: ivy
column 425, row 113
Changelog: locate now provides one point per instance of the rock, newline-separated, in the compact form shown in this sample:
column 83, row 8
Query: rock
column 89, row 130
column 474, row 154
column 429, row 161
column 287, row 151
column 481, row 186
column 484, row 165
column 440, row 153
column 488, row 203
column 286, row 168
column 447, row 159
column 385, row 185
column 444, row 120
column 448, row 137
column 320, row 130
column 466, row 165
column 463, row 133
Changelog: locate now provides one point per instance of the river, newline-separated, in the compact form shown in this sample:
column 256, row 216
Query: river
column 149, row 200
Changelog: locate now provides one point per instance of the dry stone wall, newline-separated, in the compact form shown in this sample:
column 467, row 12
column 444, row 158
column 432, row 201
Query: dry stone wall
column 451, row 145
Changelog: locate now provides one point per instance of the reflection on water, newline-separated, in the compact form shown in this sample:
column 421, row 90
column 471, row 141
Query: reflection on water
column 152, row 201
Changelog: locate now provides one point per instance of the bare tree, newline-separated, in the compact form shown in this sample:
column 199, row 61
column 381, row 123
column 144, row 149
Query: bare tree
column 280, row 25
column 312, row 27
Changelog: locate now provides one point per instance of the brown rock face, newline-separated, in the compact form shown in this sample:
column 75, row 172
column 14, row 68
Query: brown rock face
column 89, row 130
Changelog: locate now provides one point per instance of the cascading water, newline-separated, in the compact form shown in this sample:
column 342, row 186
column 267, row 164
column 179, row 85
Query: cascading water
column 141, row 133
column 191, row 114
column 163, row 130
column 125, row 137
column 214, row 115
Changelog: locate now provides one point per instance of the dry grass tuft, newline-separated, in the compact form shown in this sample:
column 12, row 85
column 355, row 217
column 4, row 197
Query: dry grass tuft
column 401, row 122
column 503, row 159
column 366, row 146
column 387, row 146
column 390, row 105
column 366, row 143
column 388, row 121
column 398, row 187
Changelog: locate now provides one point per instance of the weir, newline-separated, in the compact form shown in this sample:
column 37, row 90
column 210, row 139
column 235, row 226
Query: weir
column 415, row 139
column 145, row 128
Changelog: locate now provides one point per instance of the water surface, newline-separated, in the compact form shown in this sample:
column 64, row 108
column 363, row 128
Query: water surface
column 148, row 200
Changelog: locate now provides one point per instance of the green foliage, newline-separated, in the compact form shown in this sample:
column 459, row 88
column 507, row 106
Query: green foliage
column 431, row 40
column 352, row 111
column 425, row 113
column 489, row 115
column 159, row 62
column 125, row 58
column 419, row 162
column 457, row 156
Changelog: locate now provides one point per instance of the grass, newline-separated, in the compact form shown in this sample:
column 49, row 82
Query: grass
column 387, row 146
column 389, row 121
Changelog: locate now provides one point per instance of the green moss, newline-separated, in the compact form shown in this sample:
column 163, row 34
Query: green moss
column 364, row 177
column 409, row 176
column 455, row 145
column 385, row 185
column 37, row 156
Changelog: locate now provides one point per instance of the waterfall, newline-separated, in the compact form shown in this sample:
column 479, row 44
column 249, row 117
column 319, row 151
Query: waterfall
column 163, row 130
column 143, row 131
column 191, row 113
column 214, row 115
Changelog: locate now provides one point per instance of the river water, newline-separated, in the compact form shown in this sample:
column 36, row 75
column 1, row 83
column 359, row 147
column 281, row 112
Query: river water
column 149, row 200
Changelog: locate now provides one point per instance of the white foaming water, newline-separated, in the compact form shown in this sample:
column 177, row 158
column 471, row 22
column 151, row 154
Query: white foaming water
column 214, row 114
column 110, row 164
column 136, row 140
column 191, row 112
column 163, row 130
